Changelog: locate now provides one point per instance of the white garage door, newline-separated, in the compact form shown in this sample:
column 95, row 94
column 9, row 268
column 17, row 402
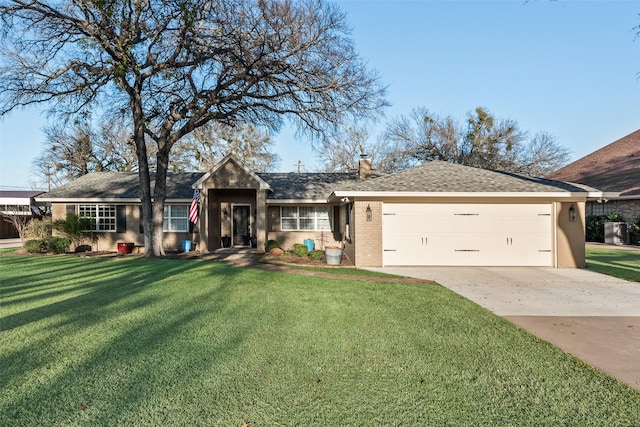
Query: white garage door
column 467, row 234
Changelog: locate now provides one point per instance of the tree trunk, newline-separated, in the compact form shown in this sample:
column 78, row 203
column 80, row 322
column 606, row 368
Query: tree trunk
column 159, row 196
column 143, row 175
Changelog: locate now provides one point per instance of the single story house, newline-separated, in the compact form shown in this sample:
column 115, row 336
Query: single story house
column 614, row 168
column 435, row 214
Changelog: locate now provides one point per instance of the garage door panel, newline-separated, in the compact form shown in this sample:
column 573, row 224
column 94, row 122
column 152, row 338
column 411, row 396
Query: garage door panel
column 413, row 249
column 467, row 234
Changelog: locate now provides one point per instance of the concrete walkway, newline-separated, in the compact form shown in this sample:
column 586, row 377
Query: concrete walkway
column 590, row 315
column 607, row 246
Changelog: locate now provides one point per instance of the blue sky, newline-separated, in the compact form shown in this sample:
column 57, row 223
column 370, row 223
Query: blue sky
column 569, row 68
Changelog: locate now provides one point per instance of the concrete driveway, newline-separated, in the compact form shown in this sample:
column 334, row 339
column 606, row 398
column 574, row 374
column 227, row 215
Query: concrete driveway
column 10, row 243
column 590, row 315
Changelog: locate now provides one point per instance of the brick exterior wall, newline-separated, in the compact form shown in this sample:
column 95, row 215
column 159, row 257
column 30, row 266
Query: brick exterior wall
column 108, row 241
column 628, row 209
column 367, row 234
column 287, row 239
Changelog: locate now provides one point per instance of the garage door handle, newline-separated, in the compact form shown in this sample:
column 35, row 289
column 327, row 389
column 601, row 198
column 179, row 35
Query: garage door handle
column 389, row 250
column 424, row 241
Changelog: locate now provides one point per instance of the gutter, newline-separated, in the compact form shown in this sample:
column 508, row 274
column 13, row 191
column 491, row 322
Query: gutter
column 296, row 201
column 606, row 196
column 102, row 200
column 433, row 194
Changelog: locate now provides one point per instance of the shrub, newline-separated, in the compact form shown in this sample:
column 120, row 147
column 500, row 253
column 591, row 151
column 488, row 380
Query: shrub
column 595, row 226
column 58, row 245
column 634, row 230
column 38, row 229
column 35, row 246
column 271, row 244
column 75, row 228
column 316, row 255
column 300, row 250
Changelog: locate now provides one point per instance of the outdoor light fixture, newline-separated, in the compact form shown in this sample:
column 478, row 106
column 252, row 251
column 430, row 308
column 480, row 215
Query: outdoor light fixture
column 369, row 214
column 572, row 213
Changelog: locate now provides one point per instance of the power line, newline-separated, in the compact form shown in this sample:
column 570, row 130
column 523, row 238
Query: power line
column 13, row 187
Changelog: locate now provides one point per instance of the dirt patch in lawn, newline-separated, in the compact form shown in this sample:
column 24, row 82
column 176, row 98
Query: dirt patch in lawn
column 287, row 263
column 299, row 265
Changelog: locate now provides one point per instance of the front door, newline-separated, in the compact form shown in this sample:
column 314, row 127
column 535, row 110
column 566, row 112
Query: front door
column 241, row 225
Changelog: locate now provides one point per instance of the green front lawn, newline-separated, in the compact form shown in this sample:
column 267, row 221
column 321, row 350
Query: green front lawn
column 621, row 263
column 130, row 341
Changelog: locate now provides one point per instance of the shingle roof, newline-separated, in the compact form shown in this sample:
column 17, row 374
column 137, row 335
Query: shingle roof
column 440, row 177
column 615, row 167
column 435, row 176
column 304, row 186
column 121, row 185
column 125, row 185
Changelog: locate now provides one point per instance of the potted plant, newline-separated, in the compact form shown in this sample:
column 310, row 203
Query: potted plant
column 226, row 241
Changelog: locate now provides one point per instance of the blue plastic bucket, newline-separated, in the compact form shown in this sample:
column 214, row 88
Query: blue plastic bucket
column 186, row 245
column 310, row 244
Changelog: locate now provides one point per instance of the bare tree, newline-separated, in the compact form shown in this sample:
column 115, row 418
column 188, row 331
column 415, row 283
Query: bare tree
column 171, row 66
column 487, row 142
column 490, row 143
column 341, row 151
column 18, row 218
column 422, row 136
column 207, row 145
column 78, row 149
column 543, row 155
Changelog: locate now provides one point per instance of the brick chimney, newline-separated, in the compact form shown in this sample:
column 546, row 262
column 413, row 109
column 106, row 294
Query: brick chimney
column 364, row 167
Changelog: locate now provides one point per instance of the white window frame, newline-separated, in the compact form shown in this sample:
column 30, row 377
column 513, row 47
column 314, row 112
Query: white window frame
column 171, row 218
column 105, row 217
column 316, row 216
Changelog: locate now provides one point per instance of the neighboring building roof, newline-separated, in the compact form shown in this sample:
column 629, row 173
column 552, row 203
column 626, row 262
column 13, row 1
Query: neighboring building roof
column 305, row 186
column 444, row 177
column 615, row 167
column 19, row 194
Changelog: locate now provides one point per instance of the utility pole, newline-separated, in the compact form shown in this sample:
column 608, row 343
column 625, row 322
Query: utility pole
column 298, row 166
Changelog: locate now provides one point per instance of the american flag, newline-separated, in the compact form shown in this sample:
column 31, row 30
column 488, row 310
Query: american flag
column 193, row 210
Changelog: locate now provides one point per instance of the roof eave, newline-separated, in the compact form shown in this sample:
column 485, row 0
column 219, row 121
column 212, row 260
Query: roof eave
column 608, row 195
column 436, row 194
column 295, row 201
column 101, row 200
column 87, row 199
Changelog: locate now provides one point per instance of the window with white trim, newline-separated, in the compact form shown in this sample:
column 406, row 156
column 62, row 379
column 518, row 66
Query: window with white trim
column 103, row 216
column 176, row 218
column 307, row 218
